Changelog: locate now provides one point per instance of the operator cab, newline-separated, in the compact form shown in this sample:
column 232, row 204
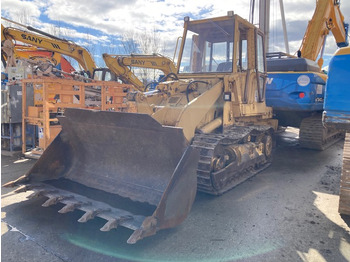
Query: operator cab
column 104, row 74
column 209, row 46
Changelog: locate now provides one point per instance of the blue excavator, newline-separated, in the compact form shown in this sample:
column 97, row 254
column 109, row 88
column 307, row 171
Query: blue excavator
column 296, row 84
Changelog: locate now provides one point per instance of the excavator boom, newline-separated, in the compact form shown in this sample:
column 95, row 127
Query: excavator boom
column 155, row 61
column 327, row 17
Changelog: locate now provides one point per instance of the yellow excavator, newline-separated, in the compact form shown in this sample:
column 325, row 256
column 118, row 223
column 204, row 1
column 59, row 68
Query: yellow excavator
column 208, row 130
column 121, row 66
column 48, row 42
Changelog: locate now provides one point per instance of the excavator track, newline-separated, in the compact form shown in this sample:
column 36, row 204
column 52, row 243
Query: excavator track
column 344, row 196
column 314, row 135
column 228, row 159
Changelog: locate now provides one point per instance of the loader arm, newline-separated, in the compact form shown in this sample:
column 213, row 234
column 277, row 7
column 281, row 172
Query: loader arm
column 190, row 117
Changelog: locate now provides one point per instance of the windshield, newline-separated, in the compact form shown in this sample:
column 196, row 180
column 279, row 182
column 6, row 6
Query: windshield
column 208, row 47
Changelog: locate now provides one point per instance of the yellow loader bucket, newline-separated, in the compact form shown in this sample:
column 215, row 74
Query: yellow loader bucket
column 124, row 154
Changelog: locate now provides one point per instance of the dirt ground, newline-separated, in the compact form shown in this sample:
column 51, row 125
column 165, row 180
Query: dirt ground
column 288, row 212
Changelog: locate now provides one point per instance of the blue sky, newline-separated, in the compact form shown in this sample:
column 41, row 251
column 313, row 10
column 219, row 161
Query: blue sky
column 99, row 25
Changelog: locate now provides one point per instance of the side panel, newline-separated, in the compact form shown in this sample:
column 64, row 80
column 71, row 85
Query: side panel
column 337, row 99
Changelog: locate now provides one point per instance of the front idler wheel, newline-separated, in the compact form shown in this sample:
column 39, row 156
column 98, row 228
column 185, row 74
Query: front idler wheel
column 268, row 146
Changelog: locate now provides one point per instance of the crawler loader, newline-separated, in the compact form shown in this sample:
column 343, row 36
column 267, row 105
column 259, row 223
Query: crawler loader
column 206, row 128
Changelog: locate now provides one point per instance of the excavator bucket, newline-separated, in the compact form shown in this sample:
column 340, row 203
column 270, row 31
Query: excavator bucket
column 130, row 156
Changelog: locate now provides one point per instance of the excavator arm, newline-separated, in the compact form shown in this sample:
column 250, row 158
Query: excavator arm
column 123, row 72
column 51, row 43
column 154, row 61
column 327, row 17
column 121, row 66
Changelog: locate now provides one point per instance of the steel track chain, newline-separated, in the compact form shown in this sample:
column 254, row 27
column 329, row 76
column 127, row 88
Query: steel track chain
column 207, row 143
column 314, row 135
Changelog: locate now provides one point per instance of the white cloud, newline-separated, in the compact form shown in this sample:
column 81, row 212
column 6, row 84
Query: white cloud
column 22, row 12
column 115, row 18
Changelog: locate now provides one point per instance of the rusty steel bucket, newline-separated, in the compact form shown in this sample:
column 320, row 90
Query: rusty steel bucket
column 124, row 154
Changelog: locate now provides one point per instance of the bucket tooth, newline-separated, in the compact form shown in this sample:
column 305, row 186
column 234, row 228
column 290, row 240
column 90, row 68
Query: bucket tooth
column 91, row 214
column 69, row 207
column 87, row 216
column 135, row 236
column 113, row 223
column 148, row 228
column 53, row 200
column 19, row 180
column 10, row 184
column 23, row 188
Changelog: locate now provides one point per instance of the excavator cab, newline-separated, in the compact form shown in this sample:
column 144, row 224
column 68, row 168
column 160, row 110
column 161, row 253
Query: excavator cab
column 104, row 74
column 206, row 127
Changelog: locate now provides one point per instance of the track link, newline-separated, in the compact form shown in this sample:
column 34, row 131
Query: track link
column 314, row 135
column 228, row 159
